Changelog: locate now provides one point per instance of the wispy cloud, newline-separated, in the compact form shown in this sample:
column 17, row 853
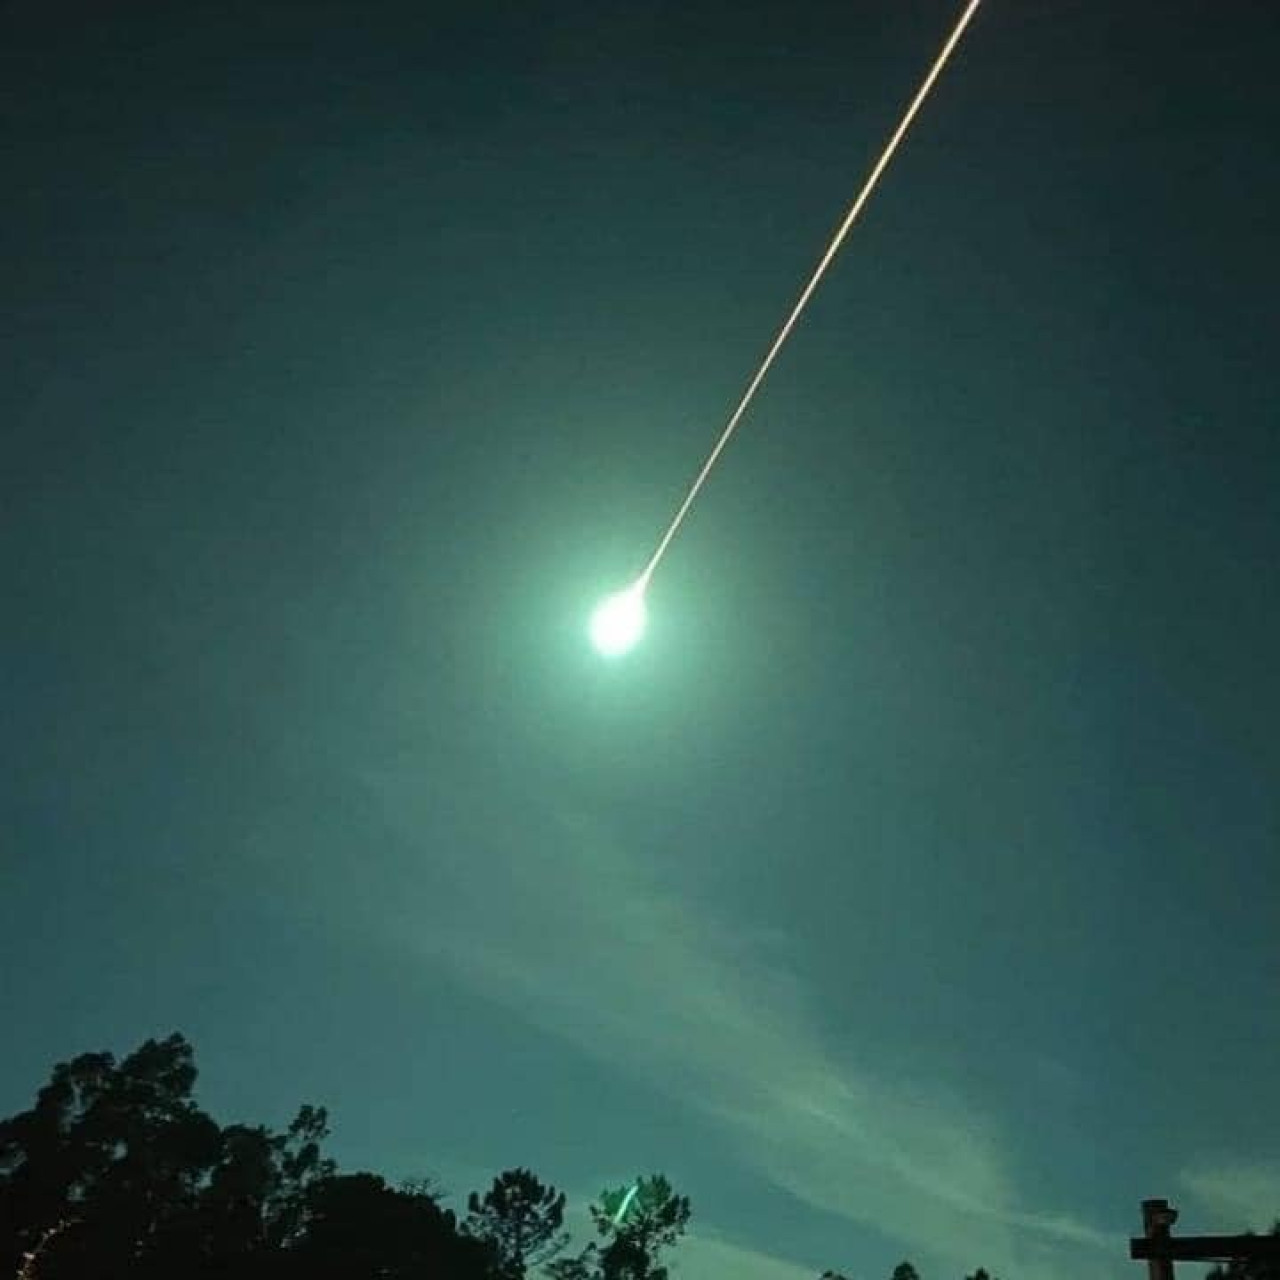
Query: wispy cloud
column 1239, row 1196
column 590, row 945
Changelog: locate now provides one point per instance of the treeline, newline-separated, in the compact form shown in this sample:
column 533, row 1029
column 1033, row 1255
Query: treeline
column 907, row 1271
column 116, row 1172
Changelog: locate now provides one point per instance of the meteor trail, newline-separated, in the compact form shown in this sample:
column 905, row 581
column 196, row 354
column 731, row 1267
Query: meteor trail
column 851, row 217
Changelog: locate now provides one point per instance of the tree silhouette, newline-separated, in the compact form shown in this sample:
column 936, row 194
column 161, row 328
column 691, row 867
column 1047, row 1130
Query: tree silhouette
column 520, row 1219
column 121, row 1149
column 256, row 1200
column 357, row 1225
column 115, row 1171
column 905, row 1271
column 638, row 1226
column 116, row 1174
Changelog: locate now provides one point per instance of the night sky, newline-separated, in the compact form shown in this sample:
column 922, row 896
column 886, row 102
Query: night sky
column 914, row 888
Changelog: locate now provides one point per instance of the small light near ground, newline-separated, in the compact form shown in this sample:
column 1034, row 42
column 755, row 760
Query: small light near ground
column 618, row 622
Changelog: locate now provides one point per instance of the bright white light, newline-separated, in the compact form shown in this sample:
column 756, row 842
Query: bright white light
column 619, row 621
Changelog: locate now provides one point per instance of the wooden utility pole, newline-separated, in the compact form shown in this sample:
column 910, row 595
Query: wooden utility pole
column 1159, row 1248
column 1157, row 1218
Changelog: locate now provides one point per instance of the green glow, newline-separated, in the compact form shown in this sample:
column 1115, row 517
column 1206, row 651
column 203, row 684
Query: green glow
column 626, row 1204
column 618, row 622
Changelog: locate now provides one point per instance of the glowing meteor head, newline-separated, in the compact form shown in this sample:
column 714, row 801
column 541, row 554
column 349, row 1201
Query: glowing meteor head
column 618, row 622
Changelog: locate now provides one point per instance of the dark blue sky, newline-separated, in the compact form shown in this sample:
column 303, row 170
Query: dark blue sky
column 914, row 888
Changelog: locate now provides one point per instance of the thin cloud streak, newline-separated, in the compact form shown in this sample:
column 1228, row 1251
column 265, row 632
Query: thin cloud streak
column 590, row 946
column 1241, row 1196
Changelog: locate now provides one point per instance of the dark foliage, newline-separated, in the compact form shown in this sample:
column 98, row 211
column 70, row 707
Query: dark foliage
column 520, row 1219
column 635, row 1227
column 117, row 1173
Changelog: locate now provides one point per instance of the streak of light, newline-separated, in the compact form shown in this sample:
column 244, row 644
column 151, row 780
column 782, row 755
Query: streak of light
column 832, row 249
column 626, row 1204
